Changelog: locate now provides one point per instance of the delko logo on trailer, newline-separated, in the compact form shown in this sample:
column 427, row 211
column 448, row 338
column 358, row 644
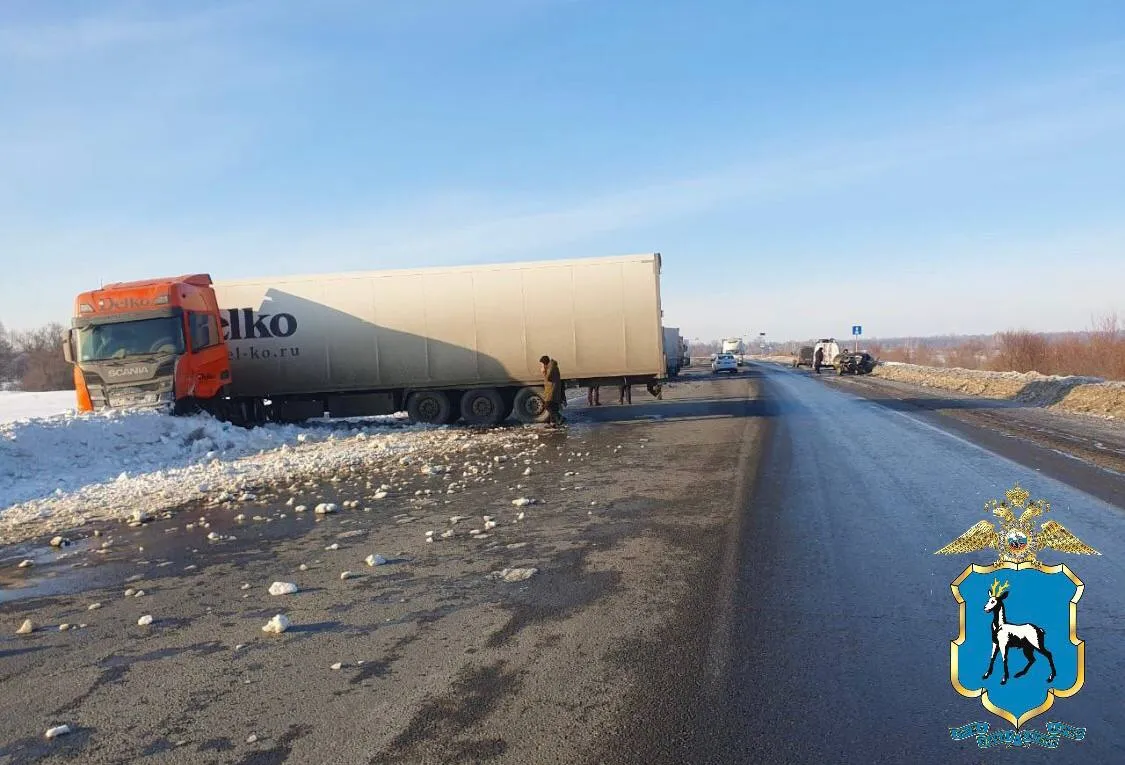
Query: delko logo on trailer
column 1017, row 647
column 247, row 324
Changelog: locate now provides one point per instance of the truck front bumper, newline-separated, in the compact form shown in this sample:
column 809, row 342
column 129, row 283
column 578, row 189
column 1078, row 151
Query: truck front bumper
column 155, row 393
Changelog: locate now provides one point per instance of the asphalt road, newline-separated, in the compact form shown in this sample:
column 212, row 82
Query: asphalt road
column 740, row 573
column 830, row 640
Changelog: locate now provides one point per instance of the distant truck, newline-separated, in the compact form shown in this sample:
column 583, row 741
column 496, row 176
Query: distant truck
column 441, row 343
column 673, row 351
column 735, row 347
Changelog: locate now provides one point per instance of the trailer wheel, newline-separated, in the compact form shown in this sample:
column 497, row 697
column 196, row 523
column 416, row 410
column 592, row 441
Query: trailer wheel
column 431, row 407
column 528, row 406
column 483, row 406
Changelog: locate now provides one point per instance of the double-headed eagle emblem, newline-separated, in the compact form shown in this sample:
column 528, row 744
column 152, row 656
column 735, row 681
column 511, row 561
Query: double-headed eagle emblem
column 1016, row 540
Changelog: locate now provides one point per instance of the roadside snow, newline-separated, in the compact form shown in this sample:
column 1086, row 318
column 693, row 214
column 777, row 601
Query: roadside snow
column 59, row 473
column 20, row 405
column 1080, row 395
column 56, row 456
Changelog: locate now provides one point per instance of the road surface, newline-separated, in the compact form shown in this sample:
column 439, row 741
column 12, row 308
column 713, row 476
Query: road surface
column 742, row 572
column 831, row 643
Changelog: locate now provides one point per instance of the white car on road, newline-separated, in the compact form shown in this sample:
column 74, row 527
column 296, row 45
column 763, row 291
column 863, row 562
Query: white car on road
column 724, row 362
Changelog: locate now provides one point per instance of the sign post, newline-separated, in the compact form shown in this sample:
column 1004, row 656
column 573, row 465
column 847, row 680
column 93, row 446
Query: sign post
column 857, row 330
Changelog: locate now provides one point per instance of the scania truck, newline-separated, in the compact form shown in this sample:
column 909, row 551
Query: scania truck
column 442, row 344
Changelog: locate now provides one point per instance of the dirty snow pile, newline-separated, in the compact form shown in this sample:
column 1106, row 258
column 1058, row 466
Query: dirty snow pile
column 58, row 473
column 74, row 468
column 1085, row 395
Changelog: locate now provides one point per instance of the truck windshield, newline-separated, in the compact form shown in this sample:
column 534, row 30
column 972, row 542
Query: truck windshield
column 98, row 342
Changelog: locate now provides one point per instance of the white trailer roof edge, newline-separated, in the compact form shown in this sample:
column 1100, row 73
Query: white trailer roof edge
column 511, row 266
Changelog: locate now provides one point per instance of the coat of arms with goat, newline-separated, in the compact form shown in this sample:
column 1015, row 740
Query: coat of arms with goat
column 1018, row 648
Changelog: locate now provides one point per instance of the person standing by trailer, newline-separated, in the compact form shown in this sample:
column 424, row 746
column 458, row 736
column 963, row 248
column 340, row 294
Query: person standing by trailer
column 625, row 393
column 552, row 389
column 593, row 395
column 818, row 359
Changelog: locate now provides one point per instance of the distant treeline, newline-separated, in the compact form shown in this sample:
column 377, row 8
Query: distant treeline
column 33, row 360
column 1096, row 352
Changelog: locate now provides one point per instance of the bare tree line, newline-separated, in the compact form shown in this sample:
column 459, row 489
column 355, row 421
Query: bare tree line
column 32, row 359
column 1096, row 352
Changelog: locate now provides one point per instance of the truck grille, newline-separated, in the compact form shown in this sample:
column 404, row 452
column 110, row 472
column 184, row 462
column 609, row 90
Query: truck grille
column 127, row 395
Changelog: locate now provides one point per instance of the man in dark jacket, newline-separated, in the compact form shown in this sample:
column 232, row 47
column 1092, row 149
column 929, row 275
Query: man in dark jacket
column 818, row 359
column 553, row 392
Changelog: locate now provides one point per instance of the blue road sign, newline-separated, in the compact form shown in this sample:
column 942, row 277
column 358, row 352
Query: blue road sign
column 857, row 329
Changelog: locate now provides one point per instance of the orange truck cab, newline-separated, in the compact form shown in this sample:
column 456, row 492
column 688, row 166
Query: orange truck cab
column 156, row 343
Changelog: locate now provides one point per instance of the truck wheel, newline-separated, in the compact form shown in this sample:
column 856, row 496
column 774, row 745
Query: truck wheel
column 431, row 407
column 529, row 406
column 483, row 406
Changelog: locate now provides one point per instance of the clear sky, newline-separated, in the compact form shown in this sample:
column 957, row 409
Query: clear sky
column 918, row 168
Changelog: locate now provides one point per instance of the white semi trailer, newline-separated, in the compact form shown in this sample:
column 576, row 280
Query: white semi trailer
column 441, row 343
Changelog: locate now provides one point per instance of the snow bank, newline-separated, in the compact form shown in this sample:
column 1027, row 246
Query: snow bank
column 1085, row 395
column 62, row 472
column 18, row 405
column 59, row 455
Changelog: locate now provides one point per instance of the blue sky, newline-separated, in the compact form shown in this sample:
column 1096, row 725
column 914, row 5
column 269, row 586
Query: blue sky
column 802, row 166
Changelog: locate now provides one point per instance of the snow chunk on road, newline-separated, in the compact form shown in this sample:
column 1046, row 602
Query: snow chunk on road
column 145, row 620
column 376, row 560
column 516, row 574
column 523, row 502
column 26, row 628
column 282, row 588
column 277, row 624
column 58, row 730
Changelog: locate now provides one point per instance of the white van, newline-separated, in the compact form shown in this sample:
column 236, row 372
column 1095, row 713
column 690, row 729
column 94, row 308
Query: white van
column 831, row 351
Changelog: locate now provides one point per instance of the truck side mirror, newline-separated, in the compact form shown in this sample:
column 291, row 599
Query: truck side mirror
column 67, row 348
